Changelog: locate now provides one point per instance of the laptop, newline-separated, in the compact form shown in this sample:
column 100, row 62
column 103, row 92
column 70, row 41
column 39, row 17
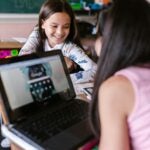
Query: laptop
column 39, row 101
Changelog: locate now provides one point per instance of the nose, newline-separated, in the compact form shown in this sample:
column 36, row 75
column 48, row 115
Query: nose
column 59, row 31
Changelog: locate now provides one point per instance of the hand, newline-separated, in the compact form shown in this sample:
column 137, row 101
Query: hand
column 15, row 147
column 70, row 64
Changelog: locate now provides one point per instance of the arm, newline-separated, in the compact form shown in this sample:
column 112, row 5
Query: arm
column 116, row 100
column 77, row 55
column 31, row 43
column 15, row 147
column 70, row 64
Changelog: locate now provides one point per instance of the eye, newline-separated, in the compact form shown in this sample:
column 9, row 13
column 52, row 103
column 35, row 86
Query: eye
column 53, row 26
column 66, row 27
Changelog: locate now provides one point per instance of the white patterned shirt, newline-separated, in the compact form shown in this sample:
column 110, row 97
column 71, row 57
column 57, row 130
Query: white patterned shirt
column 70, row 50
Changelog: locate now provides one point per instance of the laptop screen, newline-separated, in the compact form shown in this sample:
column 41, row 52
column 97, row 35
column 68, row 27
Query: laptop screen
column 34, row 82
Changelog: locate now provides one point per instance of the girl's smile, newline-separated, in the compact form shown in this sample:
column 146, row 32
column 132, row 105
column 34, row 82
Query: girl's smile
column 57, row 28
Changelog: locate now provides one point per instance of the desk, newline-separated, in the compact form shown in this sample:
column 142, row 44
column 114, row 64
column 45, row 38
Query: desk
column 10, row 44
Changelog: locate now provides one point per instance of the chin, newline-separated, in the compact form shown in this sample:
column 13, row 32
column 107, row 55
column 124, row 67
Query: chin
column 59, row 42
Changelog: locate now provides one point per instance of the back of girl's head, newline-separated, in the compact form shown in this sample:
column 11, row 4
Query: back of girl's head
column 127, row 33
column 56, row 6
column 126, row 42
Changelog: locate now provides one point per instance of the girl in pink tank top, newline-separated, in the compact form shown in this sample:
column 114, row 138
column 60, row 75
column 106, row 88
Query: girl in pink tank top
column 120, row 106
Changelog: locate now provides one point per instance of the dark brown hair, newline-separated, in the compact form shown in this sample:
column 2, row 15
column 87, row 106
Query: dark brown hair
column 126, row 42
column 54, row 6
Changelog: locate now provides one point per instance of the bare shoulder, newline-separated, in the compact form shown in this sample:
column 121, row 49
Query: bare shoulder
column 119, row 83
column 117, row 91
column 115, row 104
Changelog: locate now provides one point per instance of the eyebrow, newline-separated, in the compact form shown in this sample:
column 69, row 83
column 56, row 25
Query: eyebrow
column 53, row 23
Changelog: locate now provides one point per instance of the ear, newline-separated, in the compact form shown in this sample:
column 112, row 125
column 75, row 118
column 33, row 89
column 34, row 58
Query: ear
column 43, row 24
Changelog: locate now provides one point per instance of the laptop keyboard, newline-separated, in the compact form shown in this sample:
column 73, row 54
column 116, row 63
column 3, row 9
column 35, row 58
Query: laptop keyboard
column 52, row 123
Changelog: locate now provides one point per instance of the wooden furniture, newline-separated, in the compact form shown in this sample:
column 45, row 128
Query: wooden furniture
column 10, row 44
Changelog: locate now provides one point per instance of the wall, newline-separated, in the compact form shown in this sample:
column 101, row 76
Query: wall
column 20, row 25
column 20, row 6
column 16, row 25
column 19, row 30
column 18, row 17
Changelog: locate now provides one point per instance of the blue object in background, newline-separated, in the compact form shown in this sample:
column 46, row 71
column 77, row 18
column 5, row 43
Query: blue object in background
column 95, row 6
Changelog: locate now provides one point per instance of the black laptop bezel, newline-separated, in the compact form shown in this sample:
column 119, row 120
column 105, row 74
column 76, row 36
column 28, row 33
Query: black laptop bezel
column 29, row 57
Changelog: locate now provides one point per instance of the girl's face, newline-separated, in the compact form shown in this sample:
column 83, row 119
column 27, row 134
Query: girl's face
column 57, row 28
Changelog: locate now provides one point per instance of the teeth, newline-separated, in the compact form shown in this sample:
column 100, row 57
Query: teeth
column 58, row 37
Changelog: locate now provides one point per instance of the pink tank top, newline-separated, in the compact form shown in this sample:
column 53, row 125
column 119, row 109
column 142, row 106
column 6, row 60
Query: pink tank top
column 139, row 120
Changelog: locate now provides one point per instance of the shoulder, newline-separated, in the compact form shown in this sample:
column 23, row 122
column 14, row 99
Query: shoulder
column 115, row 82
column 34, row 33
column 71, row 44
column 117, row 92
column 72, row 48
column 115, row 105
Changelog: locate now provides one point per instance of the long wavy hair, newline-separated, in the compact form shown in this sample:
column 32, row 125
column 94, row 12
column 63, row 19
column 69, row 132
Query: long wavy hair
column 54, row 6
column 126, row 42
